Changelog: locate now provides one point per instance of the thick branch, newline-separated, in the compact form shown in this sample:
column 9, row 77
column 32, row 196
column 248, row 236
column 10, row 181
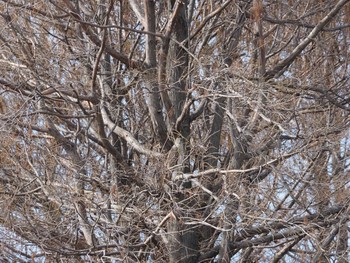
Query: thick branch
column 284, row 64
column 138, row 11
column 127, row 136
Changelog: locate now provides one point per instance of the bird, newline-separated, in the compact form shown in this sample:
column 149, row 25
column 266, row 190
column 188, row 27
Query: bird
column 227, row 62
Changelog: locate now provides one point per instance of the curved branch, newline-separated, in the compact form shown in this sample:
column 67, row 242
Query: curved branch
column 127, row 136
column 284, row 64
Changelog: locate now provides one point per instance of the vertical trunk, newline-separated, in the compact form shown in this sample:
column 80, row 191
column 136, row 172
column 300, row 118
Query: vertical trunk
column 216, row 128
column 154, row 99
column 322, row 193
column 239, row 146
column 177, row 67
column 183, row 240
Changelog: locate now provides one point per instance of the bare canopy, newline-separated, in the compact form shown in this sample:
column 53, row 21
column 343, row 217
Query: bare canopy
column 174, row 131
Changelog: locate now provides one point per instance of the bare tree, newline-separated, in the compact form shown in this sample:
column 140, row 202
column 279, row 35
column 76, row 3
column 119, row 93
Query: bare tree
column 174, row 131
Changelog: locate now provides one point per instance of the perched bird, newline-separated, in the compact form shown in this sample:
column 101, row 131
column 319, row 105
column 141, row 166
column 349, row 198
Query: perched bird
column 228, row 62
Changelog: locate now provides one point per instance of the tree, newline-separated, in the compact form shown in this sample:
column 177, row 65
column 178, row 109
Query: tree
column 174, row 131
